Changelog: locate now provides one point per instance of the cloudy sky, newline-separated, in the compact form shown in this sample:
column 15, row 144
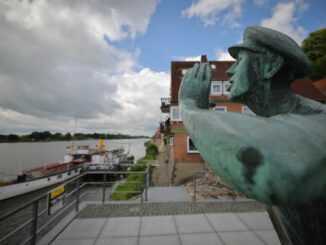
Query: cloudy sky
column 106, row 62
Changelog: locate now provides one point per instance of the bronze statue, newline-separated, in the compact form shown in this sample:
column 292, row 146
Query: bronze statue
column 278, row 157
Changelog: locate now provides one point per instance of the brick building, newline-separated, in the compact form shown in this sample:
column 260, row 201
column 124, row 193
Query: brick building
column 182, row 150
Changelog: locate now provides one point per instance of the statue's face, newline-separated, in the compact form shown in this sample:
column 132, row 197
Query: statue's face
column 243, row 75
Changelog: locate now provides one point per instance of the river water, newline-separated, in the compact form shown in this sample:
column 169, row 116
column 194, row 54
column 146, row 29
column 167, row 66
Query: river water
column 15, row 157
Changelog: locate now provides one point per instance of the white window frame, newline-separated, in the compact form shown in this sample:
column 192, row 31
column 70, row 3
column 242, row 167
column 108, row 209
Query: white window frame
column 217, row 83
column 188, row 145
column 244, row 107
column 171, row 114
column 226, row 83
column 220, row 107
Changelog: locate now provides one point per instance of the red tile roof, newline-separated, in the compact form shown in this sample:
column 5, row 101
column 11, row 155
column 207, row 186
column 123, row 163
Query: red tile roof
column 305, row 87
column 321, row 84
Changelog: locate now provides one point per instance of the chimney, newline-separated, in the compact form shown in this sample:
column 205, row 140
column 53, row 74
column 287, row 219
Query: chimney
column 203, row 58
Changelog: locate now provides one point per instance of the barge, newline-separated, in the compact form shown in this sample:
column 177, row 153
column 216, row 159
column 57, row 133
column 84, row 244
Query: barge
column 78, row 159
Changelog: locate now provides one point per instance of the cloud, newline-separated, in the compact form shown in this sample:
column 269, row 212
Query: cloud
column 284, row 19
column 212, row 11
column 138, row 95
column 223, row 55
column 57, row 59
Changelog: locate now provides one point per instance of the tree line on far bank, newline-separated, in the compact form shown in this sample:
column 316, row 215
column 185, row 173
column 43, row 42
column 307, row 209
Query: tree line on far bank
column 48, row 136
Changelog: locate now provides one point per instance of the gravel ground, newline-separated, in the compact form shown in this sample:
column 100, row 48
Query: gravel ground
column 153, row 209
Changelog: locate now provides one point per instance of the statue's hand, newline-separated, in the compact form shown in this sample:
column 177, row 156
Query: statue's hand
column 196, row 85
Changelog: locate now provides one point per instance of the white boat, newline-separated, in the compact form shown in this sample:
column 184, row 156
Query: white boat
column 80, row 157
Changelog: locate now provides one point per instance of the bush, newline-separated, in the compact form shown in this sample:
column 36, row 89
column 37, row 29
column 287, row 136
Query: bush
column 151, row 152
column 132, row 190
column 138, row 167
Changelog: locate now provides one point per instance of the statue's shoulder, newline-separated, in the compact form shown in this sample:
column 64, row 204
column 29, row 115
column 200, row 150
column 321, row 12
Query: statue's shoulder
column 307, row 106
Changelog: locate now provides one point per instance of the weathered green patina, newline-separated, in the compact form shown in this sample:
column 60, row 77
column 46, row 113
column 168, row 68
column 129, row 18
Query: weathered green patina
column 278, row 157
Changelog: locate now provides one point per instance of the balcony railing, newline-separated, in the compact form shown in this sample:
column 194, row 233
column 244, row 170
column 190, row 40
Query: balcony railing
column 165, row 105
column 31, row 222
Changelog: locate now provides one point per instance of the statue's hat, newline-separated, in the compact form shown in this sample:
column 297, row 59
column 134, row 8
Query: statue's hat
column 257, row 37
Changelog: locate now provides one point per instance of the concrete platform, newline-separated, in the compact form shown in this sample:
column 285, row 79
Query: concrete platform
column 168, row 194
column 206, row 228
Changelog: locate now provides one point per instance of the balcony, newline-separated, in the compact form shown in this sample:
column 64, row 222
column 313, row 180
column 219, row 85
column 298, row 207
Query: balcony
column 165, row 105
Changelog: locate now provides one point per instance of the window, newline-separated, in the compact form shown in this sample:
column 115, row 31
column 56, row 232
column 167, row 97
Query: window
column 175, row 114
column 213, row 66
column 191, row 148
column 226, row 85
column 246, row 110
column 220, row 108
column 216, row 88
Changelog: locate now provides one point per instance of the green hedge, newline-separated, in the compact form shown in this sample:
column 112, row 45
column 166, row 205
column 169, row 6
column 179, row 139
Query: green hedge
column 141, row 165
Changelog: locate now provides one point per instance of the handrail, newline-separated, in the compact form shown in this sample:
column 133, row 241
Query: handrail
column 16, row 230
column 35, row 202
column 166, row 100
column 59, row 213
column 37, row 198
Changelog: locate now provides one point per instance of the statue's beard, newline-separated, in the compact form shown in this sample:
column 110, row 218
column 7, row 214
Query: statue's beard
column 238, row 91
column 256, row 91
column 256, row 97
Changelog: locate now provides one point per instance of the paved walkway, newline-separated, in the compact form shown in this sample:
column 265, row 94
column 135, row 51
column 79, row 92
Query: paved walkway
column 168, row 194
column 161, row 177
column 205, row 228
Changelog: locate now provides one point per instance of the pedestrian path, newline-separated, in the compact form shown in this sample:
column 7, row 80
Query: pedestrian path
column 206, row 228
column 168, row 194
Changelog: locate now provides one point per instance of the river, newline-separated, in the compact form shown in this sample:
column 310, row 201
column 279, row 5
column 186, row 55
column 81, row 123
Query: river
column 15, row 157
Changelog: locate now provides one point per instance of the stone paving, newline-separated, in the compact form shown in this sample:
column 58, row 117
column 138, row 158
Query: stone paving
column 204, row 228
column 172, row 208
column 179, row 221
column 167, row 194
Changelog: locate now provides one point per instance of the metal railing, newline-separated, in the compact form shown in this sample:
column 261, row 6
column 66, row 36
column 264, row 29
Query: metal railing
column 32, row 229
column 165, row 101
column 195, row 191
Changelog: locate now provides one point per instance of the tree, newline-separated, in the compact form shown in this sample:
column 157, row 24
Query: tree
column 315, row 48
column 68, row 136
column 13, row 138
column 35, row 136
